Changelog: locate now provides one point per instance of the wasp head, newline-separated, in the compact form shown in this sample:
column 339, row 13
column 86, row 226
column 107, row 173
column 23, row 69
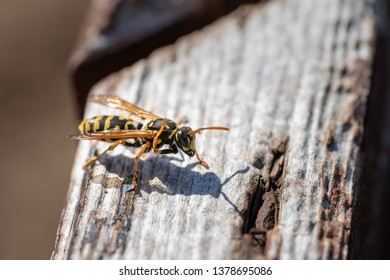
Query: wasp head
column 185, row 140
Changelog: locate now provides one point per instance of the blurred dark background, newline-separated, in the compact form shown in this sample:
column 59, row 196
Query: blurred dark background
column 37, row 111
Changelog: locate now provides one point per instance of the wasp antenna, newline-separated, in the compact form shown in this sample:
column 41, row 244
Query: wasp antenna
column 208, row 128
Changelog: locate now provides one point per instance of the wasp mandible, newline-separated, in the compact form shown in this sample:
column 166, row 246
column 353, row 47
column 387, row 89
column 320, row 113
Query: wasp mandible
column 142, row 129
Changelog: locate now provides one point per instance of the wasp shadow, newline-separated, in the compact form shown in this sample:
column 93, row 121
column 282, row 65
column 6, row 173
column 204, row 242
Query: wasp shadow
column 160, row 174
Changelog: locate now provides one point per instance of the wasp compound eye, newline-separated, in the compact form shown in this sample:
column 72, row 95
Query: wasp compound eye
column 184, row 140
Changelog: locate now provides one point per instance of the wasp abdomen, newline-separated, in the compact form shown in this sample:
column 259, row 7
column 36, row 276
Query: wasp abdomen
column 100, row 123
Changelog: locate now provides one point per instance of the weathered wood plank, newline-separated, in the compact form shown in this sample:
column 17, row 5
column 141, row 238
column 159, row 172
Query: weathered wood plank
column 291, row 79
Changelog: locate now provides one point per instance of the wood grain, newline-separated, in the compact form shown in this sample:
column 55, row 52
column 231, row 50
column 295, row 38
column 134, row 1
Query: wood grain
column 290, row 79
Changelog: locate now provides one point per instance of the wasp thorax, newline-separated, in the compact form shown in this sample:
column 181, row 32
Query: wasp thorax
column 185, row 141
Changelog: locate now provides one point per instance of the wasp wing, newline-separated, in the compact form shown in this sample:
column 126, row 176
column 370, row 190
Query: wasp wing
column 114, row 134
column 119, row 103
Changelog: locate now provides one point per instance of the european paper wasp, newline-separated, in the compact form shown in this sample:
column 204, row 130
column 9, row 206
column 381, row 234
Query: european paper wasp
column 142, row 129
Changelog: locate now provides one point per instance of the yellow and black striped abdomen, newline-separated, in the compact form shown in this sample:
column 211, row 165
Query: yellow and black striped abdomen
column 100, row 123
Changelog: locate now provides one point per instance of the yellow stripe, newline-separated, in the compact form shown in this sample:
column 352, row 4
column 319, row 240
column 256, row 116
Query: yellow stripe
column 108, row 122
column 172, row 133
column 185, row 148
column 96, row 124
column 127, row 124
column 81, row 126
column 87, row 126
column 192, row 145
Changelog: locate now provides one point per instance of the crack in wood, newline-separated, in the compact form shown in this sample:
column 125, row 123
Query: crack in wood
column 262, row 216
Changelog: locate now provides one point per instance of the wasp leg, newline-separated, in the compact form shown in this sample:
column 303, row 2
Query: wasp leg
column 201, row 162
column 182, row 120
column 112, row 147
column 155, row 139
column 138, row 156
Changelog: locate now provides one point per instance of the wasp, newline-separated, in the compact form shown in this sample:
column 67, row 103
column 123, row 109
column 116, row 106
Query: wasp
column 142, row 129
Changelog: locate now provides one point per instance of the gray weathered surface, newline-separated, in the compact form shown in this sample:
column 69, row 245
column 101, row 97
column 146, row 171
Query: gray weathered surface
column 290, row 79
